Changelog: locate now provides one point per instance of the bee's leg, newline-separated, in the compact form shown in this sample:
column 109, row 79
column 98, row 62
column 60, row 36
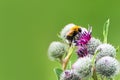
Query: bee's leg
column 70, row 42
column 70, row 39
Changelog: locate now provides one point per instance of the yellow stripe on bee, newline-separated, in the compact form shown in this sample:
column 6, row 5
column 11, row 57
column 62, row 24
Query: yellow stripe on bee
column 72, row 30
column 75, row 28
column 70, row 33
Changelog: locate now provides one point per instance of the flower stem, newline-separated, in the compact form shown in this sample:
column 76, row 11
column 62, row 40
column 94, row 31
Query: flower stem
column 102, row 77
column 66, row 60
column 93, row 64
column 94, row 74
column 94, row 57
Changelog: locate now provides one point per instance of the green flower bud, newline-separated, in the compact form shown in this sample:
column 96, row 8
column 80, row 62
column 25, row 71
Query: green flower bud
column 56, row 50
column 107, row 66
column 92, row 45
column 105, row 50
column 83, row 67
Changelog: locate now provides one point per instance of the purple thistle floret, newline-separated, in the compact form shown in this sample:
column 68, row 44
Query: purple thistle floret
column 82, row 41
column 82, row 51
column 83, row 38
column 68, row 74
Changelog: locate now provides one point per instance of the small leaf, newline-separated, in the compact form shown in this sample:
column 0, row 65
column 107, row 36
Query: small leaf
column 59, row 35
column 69, row 65
column 105, row 30
column 58, row 72
column 111, row 79
column 73, row 58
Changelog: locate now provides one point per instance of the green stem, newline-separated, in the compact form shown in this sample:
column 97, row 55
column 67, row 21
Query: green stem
column 94, row 74
column 94, row 57
column 102, row 77
column 66, row 60
column 93, row 64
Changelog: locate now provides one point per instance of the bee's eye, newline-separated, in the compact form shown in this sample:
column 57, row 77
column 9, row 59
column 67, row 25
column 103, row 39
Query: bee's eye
column 79, row 29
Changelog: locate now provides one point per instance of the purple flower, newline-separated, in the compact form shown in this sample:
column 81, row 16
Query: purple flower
column 69, row 75
column 82, row 51
column 82, row 41
column 83, row 38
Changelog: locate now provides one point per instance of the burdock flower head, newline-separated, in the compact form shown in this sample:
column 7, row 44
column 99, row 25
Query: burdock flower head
column 105, row 50
column 92, row 45
column 56, row 50
column 107, row 66
column 84, row 36
column 82, row 51
column 82, row 41
column 83, row 67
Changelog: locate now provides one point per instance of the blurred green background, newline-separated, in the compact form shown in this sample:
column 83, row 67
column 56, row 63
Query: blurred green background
column 27, row 27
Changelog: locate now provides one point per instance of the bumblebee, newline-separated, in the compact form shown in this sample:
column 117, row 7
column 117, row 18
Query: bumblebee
column 70, row 36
